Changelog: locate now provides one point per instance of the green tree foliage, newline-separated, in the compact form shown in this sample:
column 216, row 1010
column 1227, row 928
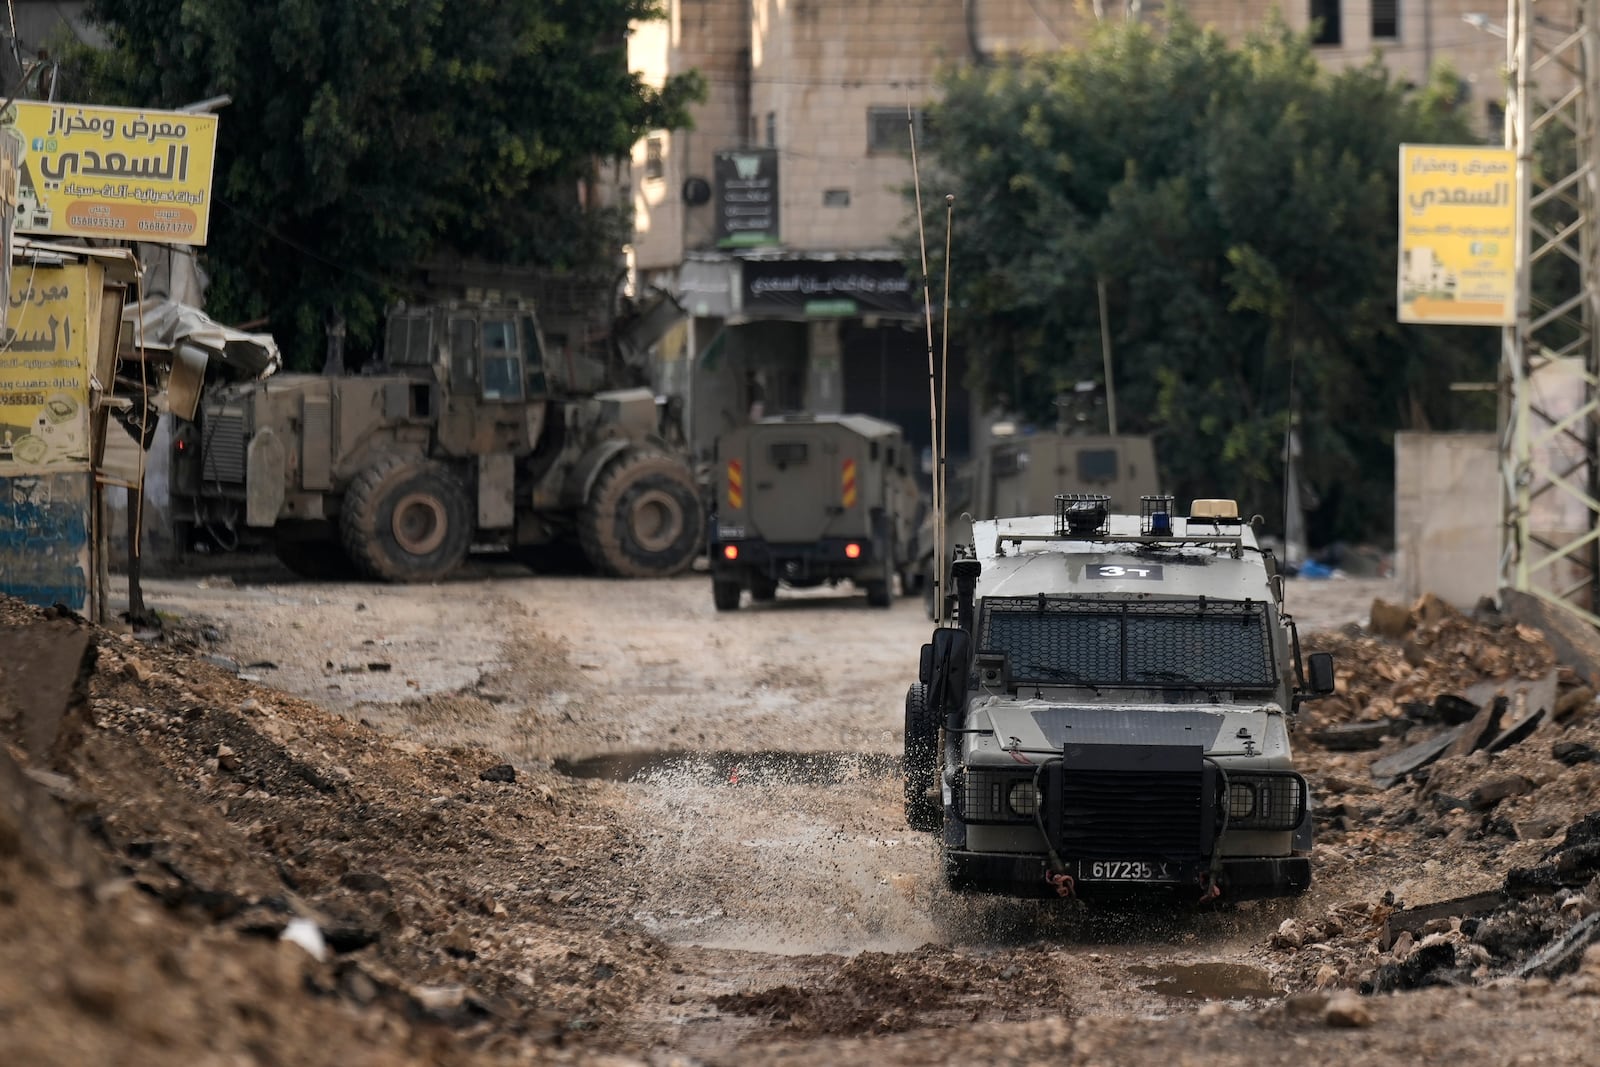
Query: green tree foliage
column 365, row 136
column 1240, row 205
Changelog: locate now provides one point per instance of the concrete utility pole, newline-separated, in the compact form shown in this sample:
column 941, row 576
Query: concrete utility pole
column 1550, row 478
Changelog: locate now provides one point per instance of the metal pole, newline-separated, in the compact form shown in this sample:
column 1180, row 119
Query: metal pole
column 1105, row 352
column 1514, row 339
column 1548, row 437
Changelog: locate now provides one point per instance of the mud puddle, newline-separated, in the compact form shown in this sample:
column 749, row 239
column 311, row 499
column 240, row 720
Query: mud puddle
column 1206, row 981
column 733, row 768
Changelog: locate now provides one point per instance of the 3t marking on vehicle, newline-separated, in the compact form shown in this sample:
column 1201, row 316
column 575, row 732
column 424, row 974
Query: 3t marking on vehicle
column 1150, row 573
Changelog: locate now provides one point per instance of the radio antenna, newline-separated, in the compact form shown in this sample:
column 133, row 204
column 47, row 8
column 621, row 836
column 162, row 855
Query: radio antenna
column 944, row 370
column 937, row 577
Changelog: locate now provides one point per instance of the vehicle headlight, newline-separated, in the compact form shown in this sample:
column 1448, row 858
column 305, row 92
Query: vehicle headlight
column 1266, row 800
column 1023, row 799
column 1241, row 800
column 998, row 796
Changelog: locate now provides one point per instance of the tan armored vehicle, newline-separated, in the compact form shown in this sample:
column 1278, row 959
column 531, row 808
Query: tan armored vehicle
column 808, row 500
column 1021, row 475
column 469, row 437
column 1111, row 714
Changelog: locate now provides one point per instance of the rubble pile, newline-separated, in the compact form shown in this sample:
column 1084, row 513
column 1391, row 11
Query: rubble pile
column 1398, row 668
column 1455, row 773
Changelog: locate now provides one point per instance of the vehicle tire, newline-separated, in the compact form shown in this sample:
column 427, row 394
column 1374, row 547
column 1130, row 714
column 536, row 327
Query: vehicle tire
column 924, row 806
column 726, row 595
column 406, row 519
column 880, row 591
column 321, row 559
column 762, row 587
column 643, row 519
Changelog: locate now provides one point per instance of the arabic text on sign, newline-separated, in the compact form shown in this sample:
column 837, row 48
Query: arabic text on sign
column 118, row 165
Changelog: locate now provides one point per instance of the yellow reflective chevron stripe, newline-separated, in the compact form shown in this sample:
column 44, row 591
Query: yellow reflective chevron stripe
column 848, row 486
column 735, row 484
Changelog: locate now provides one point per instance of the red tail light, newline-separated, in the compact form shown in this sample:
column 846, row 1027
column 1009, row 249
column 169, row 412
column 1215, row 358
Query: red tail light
column 852, row 551
column 730, row 551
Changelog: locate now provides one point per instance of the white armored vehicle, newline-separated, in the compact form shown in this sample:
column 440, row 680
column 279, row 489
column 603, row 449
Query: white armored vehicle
column 1112, row 711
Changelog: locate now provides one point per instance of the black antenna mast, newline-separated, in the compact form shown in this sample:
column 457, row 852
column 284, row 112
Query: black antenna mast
column 938, row 377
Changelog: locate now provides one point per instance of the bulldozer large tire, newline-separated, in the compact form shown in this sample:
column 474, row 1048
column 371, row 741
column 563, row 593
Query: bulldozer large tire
column 643, row 519
column 406, row 519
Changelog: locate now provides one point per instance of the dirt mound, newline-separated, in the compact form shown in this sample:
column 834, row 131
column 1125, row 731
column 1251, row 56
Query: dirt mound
column 881, row 993
column 243, row 875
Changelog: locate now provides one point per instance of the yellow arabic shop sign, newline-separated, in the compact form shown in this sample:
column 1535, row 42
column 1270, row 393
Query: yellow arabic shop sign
column 1458, row 217
column 44, row 371
column 115, row 172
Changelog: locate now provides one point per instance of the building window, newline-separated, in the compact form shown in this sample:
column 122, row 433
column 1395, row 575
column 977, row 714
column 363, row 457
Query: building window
column 654, row 167
column 1385, row 20
column 1494, row 118
column 887, row 130
column 835, row 198
column 772, row 129
column 1325, row 28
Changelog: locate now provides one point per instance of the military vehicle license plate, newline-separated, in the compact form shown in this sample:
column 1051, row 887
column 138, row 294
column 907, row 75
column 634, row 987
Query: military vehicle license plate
column 1122, row 871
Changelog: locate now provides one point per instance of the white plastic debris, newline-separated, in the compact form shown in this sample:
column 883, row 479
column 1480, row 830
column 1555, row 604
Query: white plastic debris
column 307, row 935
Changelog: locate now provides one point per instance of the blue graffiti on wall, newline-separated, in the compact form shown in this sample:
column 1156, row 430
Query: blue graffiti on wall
column 44, row 538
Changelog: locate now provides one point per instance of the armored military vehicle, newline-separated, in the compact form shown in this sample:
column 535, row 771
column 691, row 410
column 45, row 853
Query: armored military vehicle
column 1112, row 711
column 811, row 499
column 470, row 436
column 1020, row 474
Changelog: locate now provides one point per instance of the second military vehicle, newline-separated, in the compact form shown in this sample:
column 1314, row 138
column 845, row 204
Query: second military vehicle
column 470, row 435
column 1112, row 711
column 811, row 499
column 1020, row 474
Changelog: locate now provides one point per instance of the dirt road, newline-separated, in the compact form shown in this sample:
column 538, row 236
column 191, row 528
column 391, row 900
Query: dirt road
column 725, row 855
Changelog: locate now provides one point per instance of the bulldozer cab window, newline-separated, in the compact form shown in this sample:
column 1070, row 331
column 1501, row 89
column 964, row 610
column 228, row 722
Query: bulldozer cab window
column 502, row 360
column 409, row 340
column 463, row 355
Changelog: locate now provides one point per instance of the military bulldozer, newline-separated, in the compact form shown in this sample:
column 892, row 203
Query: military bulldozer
column 470, row 436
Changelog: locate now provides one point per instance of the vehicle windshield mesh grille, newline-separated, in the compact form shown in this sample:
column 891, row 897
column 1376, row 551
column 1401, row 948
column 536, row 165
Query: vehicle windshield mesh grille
column 1131, row 643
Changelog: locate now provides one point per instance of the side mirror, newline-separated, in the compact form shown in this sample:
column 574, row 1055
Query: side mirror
column 925, row 667
column 952, row 665
column 1320, row 666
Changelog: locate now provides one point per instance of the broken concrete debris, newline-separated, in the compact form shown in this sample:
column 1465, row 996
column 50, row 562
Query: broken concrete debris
column 1471, row 730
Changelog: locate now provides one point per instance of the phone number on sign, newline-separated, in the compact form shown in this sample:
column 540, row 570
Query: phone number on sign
column 165, row 227
column 98, row 222
column 21, row 400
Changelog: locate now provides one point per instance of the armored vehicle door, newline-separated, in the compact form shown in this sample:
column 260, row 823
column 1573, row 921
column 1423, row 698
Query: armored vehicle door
column 1122, row 467
column 795, row 492
column 487, row 408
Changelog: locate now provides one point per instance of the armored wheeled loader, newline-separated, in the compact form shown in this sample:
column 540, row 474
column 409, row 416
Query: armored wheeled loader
column 807, row 500
column 470, row 436
column 1112, row 711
